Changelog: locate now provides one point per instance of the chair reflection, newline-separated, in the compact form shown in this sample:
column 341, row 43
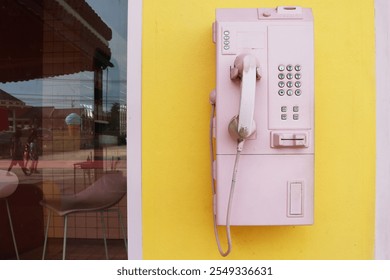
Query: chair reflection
column 8, row 184
column 98, row 197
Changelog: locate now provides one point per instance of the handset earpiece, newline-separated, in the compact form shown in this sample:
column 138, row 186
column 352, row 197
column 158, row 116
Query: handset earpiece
column 245, row 68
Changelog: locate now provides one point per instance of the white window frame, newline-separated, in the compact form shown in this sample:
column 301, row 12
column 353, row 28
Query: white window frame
column 382, row 217
column 134, row 125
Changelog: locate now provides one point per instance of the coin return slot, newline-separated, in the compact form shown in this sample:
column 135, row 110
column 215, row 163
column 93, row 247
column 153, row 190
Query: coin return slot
column 280, row 140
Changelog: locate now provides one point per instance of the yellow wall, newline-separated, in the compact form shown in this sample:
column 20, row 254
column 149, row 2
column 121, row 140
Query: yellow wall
column 178, row 73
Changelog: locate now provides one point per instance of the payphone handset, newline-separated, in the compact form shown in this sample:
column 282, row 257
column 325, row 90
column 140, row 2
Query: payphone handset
column 264, row 117
column 246, row 69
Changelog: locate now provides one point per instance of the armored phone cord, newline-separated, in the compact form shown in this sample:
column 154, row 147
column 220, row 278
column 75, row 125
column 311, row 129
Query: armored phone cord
column 240, row 145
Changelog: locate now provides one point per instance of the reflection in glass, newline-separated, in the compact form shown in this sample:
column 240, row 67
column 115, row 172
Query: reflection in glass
column 63, row 92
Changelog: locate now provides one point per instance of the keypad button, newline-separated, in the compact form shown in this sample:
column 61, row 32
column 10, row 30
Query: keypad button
column 283, row 109
column 281, row 76
column 289, row 84
column 281, row 84
column 281, row 67
column 289, row 76
column 298, row 84
column 298, row 76
column 289, row 67
column 281, row 92
column 289, row 92
column 298, row 92
column 298, row 67
column 296, row 109
column 284, row 117
column 296, row 117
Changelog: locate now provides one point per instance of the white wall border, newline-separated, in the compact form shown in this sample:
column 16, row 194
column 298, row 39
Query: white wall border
column 134, row 129
column 382, row 220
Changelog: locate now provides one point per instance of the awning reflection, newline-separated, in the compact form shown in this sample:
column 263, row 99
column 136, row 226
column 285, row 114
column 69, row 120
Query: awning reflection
column 45, row 38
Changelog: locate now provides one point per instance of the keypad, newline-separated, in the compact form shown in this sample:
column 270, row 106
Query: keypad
column 290, row 85
column 289, row 77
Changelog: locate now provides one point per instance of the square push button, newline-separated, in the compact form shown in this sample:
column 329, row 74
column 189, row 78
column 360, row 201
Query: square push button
column 295, row 199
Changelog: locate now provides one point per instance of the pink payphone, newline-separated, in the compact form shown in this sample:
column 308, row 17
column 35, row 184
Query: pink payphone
column 263, row 123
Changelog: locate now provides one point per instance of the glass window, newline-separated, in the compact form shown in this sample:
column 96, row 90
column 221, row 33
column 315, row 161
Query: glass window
column 63, row 127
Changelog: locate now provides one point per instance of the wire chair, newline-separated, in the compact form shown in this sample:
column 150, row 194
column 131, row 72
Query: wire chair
column 100, row 196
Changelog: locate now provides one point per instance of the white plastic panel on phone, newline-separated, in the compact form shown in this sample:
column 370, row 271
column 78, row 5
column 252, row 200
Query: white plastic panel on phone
column 234, row 38
column 290, row 67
